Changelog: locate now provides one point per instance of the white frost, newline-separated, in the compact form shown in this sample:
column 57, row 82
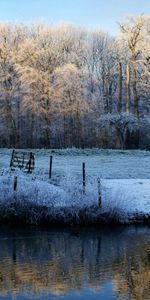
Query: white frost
column 122, row 196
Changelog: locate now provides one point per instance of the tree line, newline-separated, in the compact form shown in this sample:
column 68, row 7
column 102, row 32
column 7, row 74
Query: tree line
column 64, row 86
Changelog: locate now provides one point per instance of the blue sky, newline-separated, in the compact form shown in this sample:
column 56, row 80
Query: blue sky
column 88, row 13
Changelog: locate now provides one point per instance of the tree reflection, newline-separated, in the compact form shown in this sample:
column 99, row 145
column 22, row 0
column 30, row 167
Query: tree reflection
column 58, row 262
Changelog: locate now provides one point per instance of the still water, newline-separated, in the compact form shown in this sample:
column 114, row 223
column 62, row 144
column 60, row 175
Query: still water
column 75, row 263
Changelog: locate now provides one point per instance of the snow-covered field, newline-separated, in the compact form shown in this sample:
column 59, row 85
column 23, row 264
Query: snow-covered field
column 125, row 187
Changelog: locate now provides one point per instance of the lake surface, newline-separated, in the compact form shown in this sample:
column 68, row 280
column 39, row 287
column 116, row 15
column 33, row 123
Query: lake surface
column 75, row 263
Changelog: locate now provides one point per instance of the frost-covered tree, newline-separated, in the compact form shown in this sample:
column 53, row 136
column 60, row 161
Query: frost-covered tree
column 121, row 126
column 9, row 83
column 135, row 34
column 73, row 101
column 58, row 81
column 36, row 102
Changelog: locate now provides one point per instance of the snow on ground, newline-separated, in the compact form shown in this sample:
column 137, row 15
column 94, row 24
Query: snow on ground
column 104, row 163
column 125, row 184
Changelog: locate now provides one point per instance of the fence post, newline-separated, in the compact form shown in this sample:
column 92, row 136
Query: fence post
column 99, row 193
column 83, row 176
column 15, row 183
column 30, row 161
column 50, row 167
column 12, row 157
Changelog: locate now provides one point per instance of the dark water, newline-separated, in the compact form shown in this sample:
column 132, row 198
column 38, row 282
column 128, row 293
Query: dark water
column 75, row 263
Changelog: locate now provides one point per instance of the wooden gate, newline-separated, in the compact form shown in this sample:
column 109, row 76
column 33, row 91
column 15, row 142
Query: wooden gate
column 23, row 160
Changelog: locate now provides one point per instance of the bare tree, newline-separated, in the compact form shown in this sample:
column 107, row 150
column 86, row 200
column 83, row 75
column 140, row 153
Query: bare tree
column 132, row 34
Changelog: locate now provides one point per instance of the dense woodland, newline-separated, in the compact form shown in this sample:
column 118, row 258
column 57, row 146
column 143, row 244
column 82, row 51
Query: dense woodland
column 63, row 86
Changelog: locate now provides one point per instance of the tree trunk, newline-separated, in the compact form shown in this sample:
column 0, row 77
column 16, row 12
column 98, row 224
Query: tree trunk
column 128, row 88
column 120, row 88
column 136, row 100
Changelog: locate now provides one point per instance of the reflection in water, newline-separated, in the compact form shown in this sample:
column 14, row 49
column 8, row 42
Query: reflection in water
column 101, row 264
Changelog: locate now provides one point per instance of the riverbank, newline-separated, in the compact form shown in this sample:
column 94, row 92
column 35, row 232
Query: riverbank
column 39, row 202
